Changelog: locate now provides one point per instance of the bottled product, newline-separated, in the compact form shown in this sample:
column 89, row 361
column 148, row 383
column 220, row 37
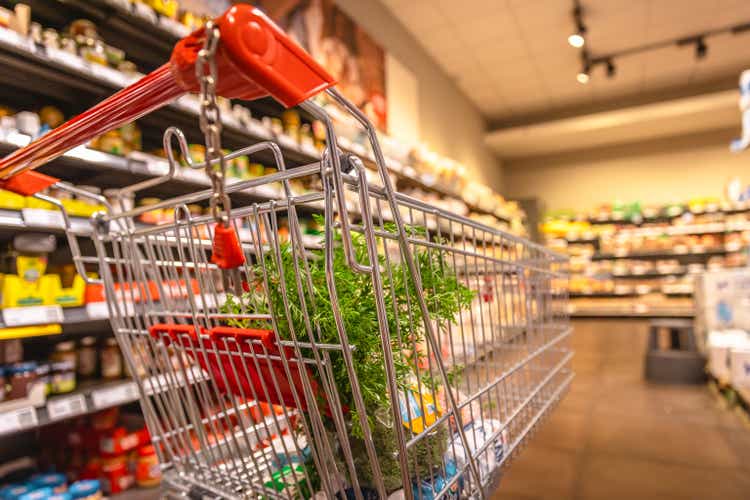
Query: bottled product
column 65, row 351
column 87, row 357
column 111, row 359
column 147, row 470
column 21, row 377
column 62, row 377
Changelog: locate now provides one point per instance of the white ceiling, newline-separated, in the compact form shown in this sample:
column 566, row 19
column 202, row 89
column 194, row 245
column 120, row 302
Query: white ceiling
column 511, row 57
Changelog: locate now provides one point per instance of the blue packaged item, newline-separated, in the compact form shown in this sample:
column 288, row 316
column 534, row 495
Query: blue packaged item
column 13, row 491
column 85, row 488
column 58, row 482
column 431, row 487
column 37, row 494
column 60, row 496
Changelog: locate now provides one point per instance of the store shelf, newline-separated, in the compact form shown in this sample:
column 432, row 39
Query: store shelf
column 622, row 314
column 664, row 254
column 651, row 274
column 35, row 321
column 87, row 398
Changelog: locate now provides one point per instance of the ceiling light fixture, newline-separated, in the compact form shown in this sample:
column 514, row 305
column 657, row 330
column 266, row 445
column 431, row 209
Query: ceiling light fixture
column 577, row 39
column 585, row 73
column 697, row 41
column 611, row 69
column 701, row 49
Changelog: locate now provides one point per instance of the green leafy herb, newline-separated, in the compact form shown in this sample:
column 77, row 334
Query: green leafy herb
column 311, row 310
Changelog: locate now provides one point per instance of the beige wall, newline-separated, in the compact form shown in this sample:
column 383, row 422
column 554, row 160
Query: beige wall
column 448, row 122
column 656, row 172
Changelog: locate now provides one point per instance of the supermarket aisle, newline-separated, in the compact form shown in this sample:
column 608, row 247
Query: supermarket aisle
column 616, row 437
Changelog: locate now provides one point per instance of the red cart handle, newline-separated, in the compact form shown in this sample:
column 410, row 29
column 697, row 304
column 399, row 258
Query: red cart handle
column 255, row 58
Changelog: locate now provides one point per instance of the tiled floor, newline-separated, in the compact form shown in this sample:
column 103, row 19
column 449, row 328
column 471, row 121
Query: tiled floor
column 616, row 437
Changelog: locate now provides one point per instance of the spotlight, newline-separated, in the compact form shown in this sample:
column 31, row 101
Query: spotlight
column 611, row 70
column 701, row 49
column 584, row 75
column 577, row 39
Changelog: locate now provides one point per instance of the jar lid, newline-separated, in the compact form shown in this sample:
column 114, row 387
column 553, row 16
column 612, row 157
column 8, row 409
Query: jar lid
column 67, row 345
column 63, row 366
column 37, row 494
column 51, row 479
column 146, row 450
column 88, row 341
column 60, row 496
column 85, row 488
column 27, row 366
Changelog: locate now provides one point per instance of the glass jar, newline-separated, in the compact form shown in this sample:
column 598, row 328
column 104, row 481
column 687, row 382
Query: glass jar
column 87, row 357
column 21, row 376
column 65, row 351
column 111, row 360
column 63, row 377
column 147, row 469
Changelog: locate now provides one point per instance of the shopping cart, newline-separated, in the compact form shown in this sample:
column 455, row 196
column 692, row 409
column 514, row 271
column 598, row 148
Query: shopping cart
column 407, row 351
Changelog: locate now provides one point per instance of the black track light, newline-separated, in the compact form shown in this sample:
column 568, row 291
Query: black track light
column 611, row 69
column 701, row 49
column 578, row 39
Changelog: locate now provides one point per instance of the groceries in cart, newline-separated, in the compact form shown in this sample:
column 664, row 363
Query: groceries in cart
column 407, row 352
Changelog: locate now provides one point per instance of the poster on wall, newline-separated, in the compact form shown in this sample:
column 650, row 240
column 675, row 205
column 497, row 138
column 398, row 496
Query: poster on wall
column 341, row 46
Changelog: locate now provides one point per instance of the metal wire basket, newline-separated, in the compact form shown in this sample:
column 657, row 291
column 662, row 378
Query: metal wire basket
column 405, row 351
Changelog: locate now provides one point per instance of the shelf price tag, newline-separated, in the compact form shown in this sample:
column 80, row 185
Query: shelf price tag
column 121, row 4
column 32, row 315
column 41, row 217
column 66, row 407
column 97, row 310
column 145, row 12
column 258, row 129
column 113, row 396
column 16, row 420
column 66, row 59
column 177, row 29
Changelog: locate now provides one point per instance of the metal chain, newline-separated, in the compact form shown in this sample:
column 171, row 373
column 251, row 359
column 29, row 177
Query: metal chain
column 210, row 123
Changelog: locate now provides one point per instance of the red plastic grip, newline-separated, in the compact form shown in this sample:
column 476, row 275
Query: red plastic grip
column 28, row 183
column 226, row 250
column 255, row 58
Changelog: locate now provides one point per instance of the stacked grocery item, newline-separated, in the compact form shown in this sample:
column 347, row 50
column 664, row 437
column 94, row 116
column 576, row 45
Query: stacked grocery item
column 105, row 453
column 637, row 260
column 65, row 365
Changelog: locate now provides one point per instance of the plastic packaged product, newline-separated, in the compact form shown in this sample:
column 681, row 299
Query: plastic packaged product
column 89, row 489
column 477, row 433
column 287, row 452
column 428, row 489
column 289, row 482
column 147, row 469
column 13, row 491
column 37, row 494
column 58, row 482
column 60, row 496
column 418, row 411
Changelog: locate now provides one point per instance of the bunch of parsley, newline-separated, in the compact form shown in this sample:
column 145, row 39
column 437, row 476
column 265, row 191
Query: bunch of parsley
column 445, row 296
